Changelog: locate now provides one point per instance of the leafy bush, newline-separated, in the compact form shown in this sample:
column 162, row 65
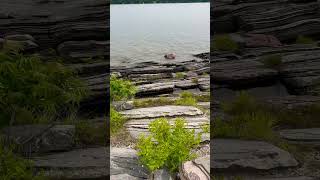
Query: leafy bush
column 167, row 146
column 116, row 120
column 13, row 167
column 32, row 91
column 243, row 103
column 224, row 43
column 304, row 40
column 186, row 99
column 299, row 117
column 248, row 120
column 121, row 89
column 255, row 125
column 202, row 98
column 273, row 61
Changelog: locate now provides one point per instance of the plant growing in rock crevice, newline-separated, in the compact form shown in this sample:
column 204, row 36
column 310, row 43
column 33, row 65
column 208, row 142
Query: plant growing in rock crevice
column 186, row 99
column 179, row 75
column 116, row 121
column 33, row 91
column 14, row 167
column 167, row 147
column 120, row 89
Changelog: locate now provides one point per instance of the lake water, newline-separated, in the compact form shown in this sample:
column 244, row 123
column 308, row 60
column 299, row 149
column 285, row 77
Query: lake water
column 145, row 32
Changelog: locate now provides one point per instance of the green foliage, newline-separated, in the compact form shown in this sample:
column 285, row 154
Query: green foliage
column 202, row 98
column 224, row 43
column 139, row 103
column 116, row 121
column 300, row 117
column 121, row 89
column 186, row 99
column 90, row 134
column 272, row 61
column 205, row 128
column 304, row 40
column 249, row 120
column 167, row 147
column 180, row 75
column 195, row 80
column 256, row 125
column 13, row 167
column 32, row 90
column 243, row 103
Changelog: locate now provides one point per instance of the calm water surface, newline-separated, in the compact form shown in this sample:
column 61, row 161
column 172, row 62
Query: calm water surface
column 145, row 32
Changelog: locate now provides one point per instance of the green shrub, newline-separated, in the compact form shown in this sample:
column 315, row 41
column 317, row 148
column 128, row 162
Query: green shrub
column 116, row 121
column 202, row 98
column 272, row 61
column 167, row 147
column 224, row 43
column 248, row 120
column 32, row 91
column 304, row 40
column 186, row 99
column 179, row 75
column 243, row 103
column 13, row 167
column 89, row 134
column 300, row 117
column 121, row 89
column 255, row 125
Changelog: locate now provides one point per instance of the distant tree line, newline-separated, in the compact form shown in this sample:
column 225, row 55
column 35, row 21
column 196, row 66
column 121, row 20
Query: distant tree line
column 154, row 1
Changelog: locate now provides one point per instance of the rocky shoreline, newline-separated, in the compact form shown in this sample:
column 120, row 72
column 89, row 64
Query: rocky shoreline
column 161, row 83
column 275, row 68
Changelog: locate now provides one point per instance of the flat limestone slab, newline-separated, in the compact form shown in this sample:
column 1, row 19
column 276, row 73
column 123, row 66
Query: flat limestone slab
column 124, row 164
column 136, row 127
column 241, row 154
column 139, row 119
column 155, row 88
column 302, row 136
column 82, row 163
column 161, row 111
